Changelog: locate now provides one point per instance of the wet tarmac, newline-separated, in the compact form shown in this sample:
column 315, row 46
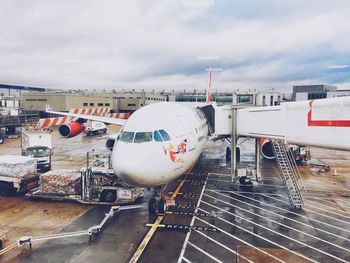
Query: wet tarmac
column 229, row 222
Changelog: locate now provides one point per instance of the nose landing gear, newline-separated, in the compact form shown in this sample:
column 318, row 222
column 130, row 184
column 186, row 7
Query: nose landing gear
column 159, row 202
column 156, row 206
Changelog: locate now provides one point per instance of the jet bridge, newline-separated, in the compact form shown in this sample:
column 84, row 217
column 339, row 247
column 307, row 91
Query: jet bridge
column 321, row 123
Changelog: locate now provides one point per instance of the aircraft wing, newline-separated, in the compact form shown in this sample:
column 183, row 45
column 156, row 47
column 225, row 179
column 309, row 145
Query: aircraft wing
column 89, row 117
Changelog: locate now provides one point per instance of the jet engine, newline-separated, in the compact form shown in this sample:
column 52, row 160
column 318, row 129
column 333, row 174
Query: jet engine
column 266, row 149
column 72, row 129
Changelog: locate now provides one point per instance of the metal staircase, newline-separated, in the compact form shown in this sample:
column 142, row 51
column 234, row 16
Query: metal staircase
column 289, row 173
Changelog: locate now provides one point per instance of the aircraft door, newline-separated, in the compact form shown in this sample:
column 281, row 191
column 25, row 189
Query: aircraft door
column 189, row 133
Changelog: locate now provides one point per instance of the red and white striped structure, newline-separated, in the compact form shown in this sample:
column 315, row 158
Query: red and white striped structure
column 56, row 121
column 90, row 111
column 124, row 115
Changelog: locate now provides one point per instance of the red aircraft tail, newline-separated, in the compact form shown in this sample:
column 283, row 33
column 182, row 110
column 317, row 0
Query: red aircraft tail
column 208, row 100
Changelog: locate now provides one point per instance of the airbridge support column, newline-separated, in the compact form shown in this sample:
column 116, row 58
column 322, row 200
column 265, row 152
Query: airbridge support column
column 234, row 145
column 257, row 159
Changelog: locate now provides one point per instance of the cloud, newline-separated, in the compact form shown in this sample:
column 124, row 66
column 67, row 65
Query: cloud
column 338, row 66
column 167, row 44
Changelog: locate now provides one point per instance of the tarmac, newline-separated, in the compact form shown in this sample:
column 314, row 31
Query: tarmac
column 228, row 222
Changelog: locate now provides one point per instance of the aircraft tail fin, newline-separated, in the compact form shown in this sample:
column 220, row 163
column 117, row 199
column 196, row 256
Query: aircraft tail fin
column 210, row 70
column 208, row 100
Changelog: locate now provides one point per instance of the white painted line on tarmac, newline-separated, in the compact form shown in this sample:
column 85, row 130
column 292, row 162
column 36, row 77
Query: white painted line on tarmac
column 223, row 246
column 276, row 222
column 288, row 211
column 328, row 206
column 271, row 178
column 243, row 241
column 216, row 180
column 186, row 260
column 343, row 203
column 227, row 181
column 311, row 210
column 318, row 204
column 274, row 213
column 182, row 253
column 243, row 192
column 204, row 252
column 323, row 199
column 273, row 185
column 219, row 174
column 344, row 200
column 277, row 233
column 339, row 212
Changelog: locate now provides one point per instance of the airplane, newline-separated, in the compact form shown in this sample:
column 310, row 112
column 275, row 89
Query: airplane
column 157, row 144
column 160, row 142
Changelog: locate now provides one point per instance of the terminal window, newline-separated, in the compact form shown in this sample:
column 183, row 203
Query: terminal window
column 246, row 99
column 131, row 104
column 107, row 104
column 85, row 104
column 100, row 104
column 318, row 95
column 92, row 104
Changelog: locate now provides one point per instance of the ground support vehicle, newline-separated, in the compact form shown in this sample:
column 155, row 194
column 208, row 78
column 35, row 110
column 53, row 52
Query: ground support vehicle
column 98, row 186
column 95, row 127
column 38, row 144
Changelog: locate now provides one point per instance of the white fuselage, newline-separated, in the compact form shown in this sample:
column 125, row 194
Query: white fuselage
column 158, row 143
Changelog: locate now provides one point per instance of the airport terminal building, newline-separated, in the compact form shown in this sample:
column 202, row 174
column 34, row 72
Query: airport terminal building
column 313, row 92
column 63, row 101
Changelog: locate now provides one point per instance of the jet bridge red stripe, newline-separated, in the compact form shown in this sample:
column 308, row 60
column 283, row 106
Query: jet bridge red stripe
column 325, row 123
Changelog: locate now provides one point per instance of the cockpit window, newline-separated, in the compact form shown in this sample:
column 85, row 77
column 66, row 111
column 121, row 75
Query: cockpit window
column 127, row 136
column 141, row 137
column 164, row 135
column 157, row 136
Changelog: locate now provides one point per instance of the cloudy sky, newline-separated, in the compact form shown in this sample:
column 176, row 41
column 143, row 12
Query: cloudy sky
column 150, row 44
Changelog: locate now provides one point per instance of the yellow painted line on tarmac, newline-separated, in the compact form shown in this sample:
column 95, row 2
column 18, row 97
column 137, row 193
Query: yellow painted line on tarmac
column 178, row 188
column 8, row 248
column 146, row 240
column 154, row 227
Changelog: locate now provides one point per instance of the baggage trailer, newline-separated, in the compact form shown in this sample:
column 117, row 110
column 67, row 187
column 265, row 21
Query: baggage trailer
column 97, row 186
column 9, row 186
column 17, row 174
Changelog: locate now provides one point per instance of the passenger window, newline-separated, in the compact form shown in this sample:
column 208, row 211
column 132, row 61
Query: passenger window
column 141, row 137
column 164, row 135
column 127, row 136
column 157, row 136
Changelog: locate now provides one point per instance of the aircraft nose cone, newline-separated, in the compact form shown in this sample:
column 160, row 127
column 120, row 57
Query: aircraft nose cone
column 140, row 165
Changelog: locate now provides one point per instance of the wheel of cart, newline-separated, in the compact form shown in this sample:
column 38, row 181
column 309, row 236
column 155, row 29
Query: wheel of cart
column 6, row 189
column 109, row 196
